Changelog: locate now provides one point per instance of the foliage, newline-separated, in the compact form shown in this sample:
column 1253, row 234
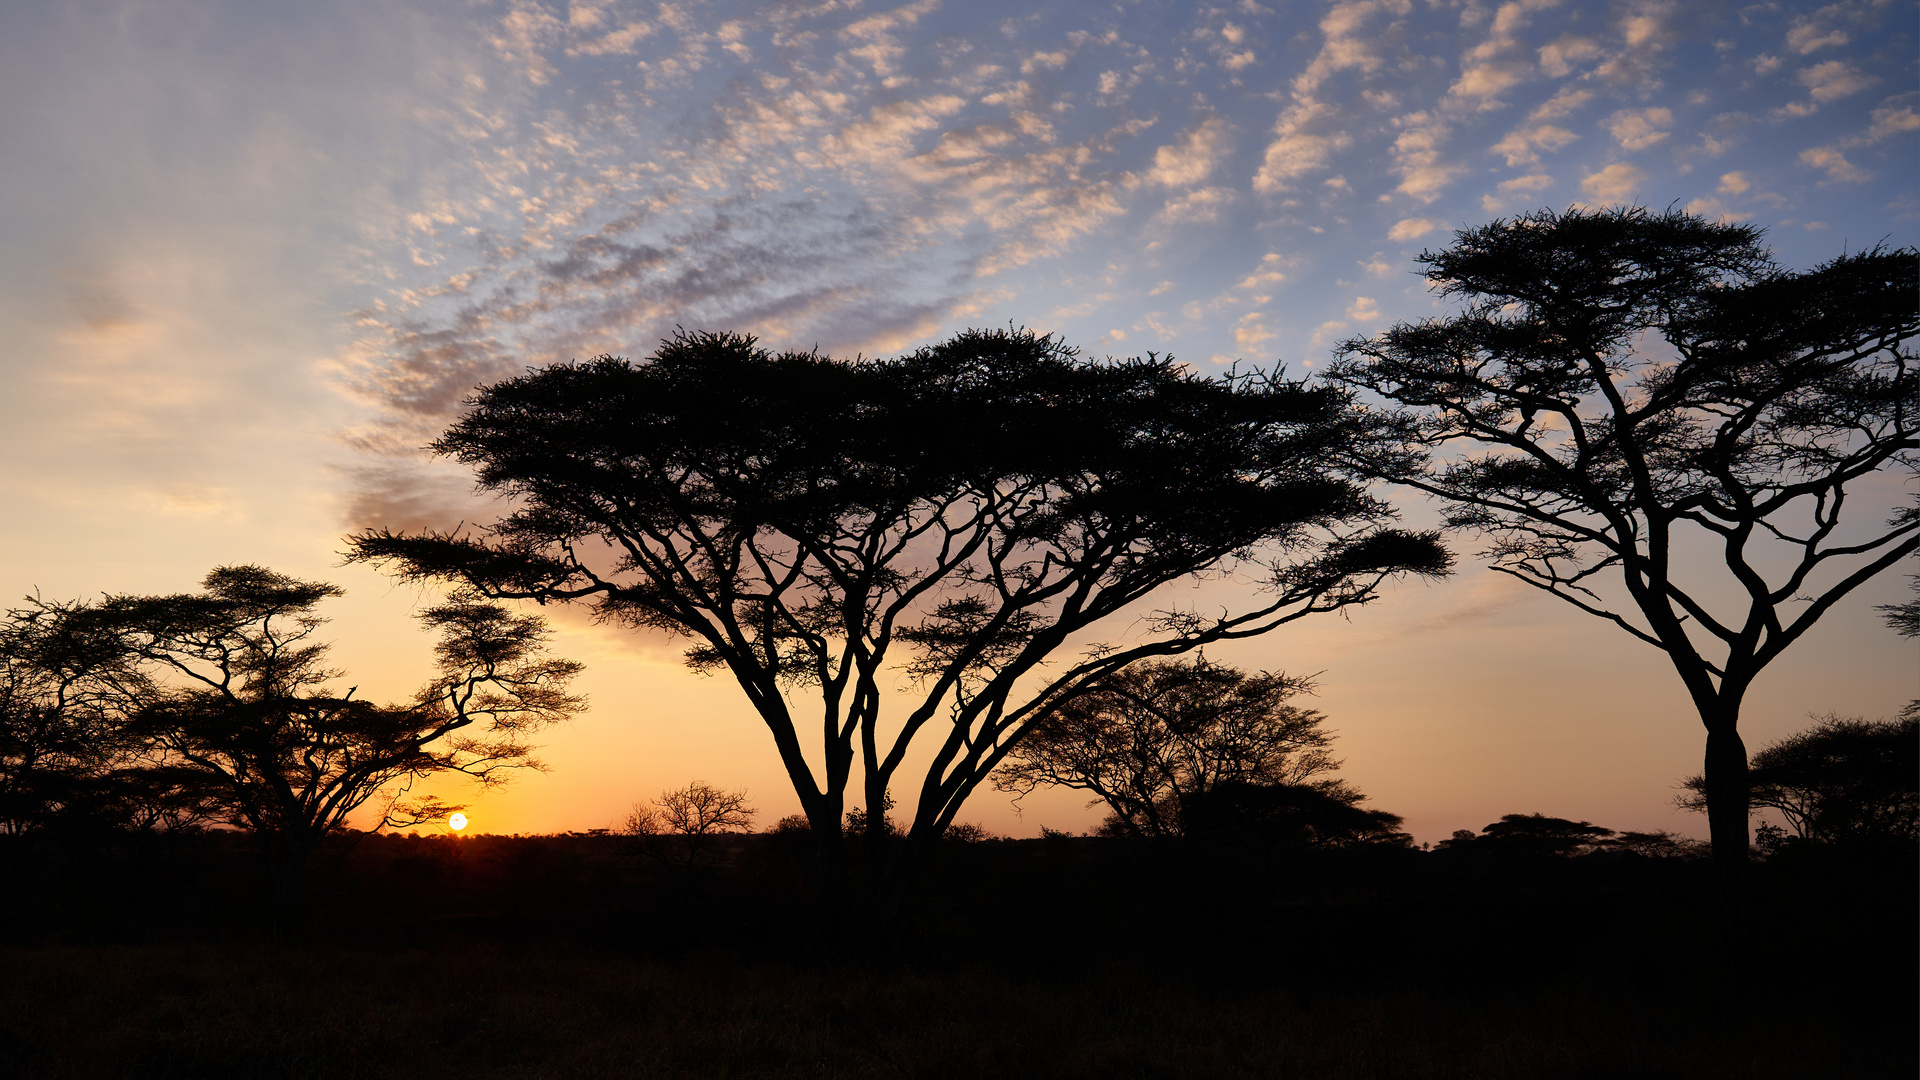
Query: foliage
column 1326, row 814
column 66, row 760
column 226, row 692
column 1619, row 380
column 1841, row 780
column 964, row 514
column 1151, row 736
column 1905, row 618
column 1530, row 836
column 678, row 825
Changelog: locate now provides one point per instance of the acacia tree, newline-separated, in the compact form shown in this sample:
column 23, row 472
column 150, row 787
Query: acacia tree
column 676, row 828
column 230, row 692
column 1619, row 380
column 62, row 691
column 1149, row 738
column 968, row 516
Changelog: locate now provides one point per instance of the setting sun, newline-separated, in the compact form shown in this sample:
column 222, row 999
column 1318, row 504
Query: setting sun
column 456, row 822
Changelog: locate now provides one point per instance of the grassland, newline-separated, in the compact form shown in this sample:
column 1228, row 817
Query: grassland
column 561, row 957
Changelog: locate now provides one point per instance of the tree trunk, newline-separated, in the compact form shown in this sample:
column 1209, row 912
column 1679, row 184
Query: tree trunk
column 287, row 869
column 831, row 888
column 1727, row 813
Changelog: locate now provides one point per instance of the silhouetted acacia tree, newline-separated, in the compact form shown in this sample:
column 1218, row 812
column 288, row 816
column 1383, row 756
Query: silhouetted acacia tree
column 66, row 761
column 1315, row 815
column 679, row 824
column 1620, row 380
column 1151, row 736
column 1840, row 780
column 230, row 695
column 1531, row 836
column 981, row 506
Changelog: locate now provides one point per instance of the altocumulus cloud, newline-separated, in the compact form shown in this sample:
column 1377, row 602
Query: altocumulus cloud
column 865, row 177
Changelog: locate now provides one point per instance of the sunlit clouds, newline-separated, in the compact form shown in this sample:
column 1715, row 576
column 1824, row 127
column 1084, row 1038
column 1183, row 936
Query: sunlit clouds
column 863, row 177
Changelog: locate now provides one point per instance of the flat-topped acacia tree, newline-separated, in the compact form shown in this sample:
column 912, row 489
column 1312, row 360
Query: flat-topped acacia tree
column 1621, row 384
column 966, row 519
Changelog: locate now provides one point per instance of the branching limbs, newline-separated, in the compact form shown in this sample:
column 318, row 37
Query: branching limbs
column 980, row 504
column 1788, row 388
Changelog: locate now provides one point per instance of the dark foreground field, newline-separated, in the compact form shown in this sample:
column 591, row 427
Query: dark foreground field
column 564, row 957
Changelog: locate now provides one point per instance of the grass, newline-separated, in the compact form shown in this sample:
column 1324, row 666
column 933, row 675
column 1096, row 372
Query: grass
column 1059, row 961
column 235, row 1010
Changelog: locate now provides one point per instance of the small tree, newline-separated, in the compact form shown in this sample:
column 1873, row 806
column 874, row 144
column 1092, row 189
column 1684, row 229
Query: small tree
column 1839, row 781
column 971, row 515
column 1532, row 836
column 1620, row 380
column 679, row 824
column 228, row 691
column 1152, row 736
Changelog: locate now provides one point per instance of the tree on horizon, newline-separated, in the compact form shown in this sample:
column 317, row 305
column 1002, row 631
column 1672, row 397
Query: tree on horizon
column 1620, row 382
column 962, row 519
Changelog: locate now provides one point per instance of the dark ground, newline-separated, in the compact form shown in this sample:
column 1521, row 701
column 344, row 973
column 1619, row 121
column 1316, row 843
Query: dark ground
column 567, row 957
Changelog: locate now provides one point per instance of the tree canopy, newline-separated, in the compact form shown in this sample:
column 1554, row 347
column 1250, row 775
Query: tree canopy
column 1157, row 739
column 974, row 515
column 1621, row 385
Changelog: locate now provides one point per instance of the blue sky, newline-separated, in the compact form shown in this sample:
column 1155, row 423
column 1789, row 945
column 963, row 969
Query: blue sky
column 256, row 254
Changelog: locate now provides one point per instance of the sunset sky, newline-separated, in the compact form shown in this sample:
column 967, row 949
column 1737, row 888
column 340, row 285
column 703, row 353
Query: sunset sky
column 252, row 255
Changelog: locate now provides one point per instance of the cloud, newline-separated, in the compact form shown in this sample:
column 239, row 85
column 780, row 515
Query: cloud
column 1835, row 164
column 1344, row 45
column 525, row 35
column 1520, row 144
column 1423, row 172
column 1411, row 229
column 1528, row 185
column 1200, row 205
column 1302, row 144
column 1298, row 150
column 1251, row 331
column 1813, row 32
column 1616, row 183
column 1564, row 102
column 1558, row 57
column 1266, row 275
column 1646, row 31
column 1892, row 120
column 1044, row 61
column 1834, row 80
column 1192, row 157
column 1363, row 309
column 1323, row 335
column 1487, row 80
column 1637, row 129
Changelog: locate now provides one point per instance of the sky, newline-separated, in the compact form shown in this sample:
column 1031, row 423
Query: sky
column 253, row 255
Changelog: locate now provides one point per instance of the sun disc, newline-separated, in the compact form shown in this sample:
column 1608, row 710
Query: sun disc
column 456, row 821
